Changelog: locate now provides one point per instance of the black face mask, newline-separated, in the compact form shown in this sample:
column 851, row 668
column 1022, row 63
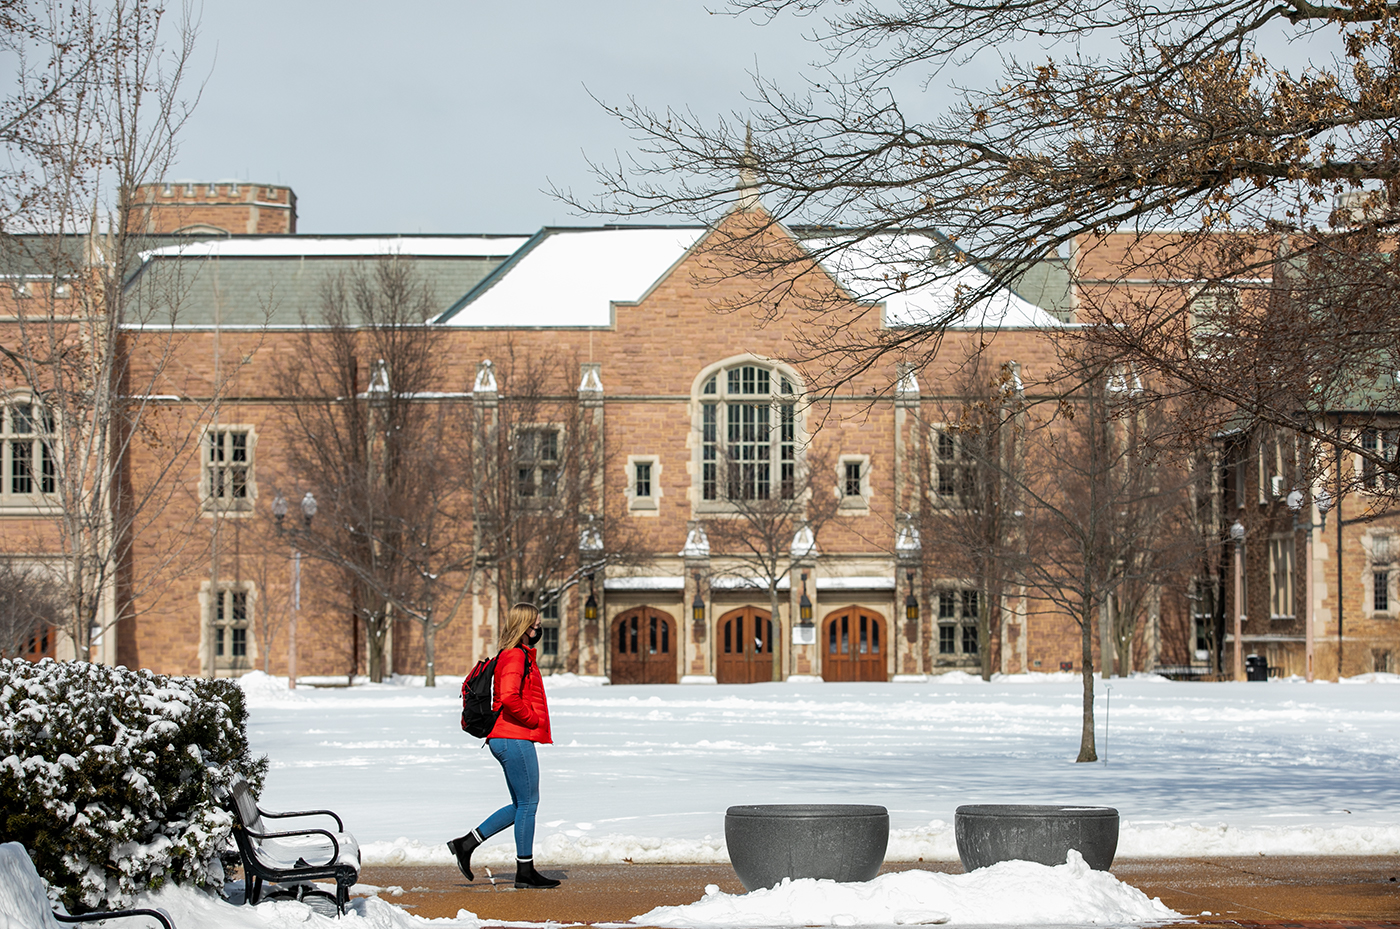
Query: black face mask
column 533, row 637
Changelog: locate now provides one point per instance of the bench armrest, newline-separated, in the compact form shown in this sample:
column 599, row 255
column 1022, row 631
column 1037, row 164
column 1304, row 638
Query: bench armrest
column 339, row 825
column 114, row 914
column 335, row 845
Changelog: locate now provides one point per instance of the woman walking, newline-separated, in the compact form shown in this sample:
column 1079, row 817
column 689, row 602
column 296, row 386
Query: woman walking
column 524, row 720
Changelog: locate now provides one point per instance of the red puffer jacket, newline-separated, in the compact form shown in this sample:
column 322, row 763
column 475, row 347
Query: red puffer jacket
column 524, row 712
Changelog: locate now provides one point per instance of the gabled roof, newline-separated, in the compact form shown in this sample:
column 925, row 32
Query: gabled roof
column 871, row 269
column 572, row 277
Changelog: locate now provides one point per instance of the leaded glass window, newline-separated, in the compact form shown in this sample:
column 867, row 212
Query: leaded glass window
column 748, row 435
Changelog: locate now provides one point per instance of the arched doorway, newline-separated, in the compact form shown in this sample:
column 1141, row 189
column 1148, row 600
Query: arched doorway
column 644, row 647
column 853, row 646
column 744, row 647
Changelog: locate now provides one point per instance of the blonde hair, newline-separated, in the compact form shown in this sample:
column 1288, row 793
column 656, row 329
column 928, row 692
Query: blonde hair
column 518, row 622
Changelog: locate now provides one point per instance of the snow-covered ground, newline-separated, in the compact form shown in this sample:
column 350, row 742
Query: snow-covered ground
column 646, row 772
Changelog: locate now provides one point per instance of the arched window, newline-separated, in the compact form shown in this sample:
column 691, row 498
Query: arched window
column 748, row 434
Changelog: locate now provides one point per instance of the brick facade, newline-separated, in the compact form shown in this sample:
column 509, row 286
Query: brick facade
column 652, row 360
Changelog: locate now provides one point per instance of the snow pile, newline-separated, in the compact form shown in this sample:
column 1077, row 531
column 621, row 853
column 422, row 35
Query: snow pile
column 1375, row 677
column 24, row 905
column 190, row 908
column 1016, row 893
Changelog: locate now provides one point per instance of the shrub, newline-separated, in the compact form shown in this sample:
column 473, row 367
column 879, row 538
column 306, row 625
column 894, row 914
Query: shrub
column 112, row 778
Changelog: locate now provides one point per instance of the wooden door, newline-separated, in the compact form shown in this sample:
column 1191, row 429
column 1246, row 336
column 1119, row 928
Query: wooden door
column 744, row 647
column 853, row 646
column 644, row 647
column 39, row 645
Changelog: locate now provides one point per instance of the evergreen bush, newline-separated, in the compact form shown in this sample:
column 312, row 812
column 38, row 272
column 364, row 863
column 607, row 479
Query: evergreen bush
column 112, row 778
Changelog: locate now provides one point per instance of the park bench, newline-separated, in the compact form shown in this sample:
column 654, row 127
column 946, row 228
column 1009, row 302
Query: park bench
column 291, row 858
column 25, row 904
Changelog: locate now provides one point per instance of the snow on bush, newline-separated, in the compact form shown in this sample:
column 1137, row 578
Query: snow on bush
column 111, row 778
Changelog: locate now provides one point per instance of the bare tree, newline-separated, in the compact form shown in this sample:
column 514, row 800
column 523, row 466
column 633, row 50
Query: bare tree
column 969, row 467
column 538, row 466
column 31, row 603
column 1105, row 123
column 85, row 356
column 374, row 442
column 1093, row 516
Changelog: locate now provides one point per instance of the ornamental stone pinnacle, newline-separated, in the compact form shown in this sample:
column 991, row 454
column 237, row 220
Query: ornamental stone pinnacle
column 485, row 378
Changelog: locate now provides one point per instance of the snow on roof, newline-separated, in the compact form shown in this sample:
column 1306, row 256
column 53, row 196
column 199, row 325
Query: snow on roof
column 872, row 268
column 571, row 277
column 302, row 246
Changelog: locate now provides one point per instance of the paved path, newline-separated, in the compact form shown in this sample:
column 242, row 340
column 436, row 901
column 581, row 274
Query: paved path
column 1320, row 892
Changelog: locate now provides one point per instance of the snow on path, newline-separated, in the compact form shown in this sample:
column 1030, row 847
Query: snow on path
column 646, row 772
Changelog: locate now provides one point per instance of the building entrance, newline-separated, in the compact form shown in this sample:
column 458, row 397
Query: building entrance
column 643, row 643
column 853, row 643
column 744, row 647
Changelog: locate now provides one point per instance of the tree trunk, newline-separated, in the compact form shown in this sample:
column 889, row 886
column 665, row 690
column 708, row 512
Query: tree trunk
column 429, row 652
column 984, row 628
column 1087, row 751
column 375, row 627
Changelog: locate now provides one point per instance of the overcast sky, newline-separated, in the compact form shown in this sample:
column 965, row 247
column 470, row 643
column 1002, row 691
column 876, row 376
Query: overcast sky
column 451, row 116
column 456, row 116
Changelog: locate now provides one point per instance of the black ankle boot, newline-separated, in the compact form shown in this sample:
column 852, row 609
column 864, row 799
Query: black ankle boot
column 462, row 849
column 527, row 876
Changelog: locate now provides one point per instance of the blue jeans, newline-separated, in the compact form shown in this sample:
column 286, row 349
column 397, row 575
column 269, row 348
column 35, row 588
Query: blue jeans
column 517, row 758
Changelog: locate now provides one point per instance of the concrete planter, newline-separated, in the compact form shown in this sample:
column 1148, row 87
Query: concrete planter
column 839, row 842
column 987, row 834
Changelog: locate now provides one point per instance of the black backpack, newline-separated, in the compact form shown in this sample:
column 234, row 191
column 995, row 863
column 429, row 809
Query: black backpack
column 478, row 719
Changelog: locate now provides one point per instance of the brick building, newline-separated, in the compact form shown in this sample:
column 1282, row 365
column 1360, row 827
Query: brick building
column 1286, row 560
column 692, row 409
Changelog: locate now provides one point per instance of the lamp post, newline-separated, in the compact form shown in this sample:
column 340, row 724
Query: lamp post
column 279, row 512
column 1323, row 501
column 1237, row 536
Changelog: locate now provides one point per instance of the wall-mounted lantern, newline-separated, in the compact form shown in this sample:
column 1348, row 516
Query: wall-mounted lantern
column 804, row 605
column 911, row 603
column 590, row 606
column 697, row 606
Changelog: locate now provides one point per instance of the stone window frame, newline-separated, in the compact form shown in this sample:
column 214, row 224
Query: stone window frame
column 237, row 504
column 950, row 604
column 226, row 663
column 718, row 371
column 945, row 450
column 648, row 504
column 1385, row 441
column 1381, row 558
column 43, row 456
column 858, row 501
column 561, row 438
column 1272, row 468
column 1282, row 552
column 550, row 625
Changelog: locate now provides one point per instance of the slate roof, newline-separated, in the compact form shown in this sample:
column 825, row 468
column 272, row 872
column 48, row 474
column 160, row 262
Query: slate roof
column 278, row 280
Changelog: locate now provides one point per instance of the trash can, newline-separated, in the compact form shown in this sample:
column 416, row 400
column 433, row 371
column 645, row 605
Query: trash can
column 1256, row 668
